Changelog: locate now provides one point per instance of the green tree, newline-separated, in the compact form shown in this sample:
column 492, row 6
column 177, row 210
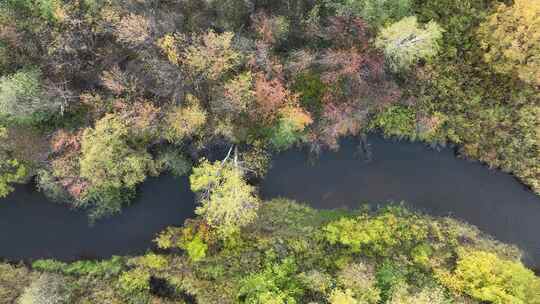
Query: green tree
column 290, row 127
column 135, row 285
column 311, row 90
column 21, row 95
column 49, row 10
column 376, row 12
column 406, row 42
column 396, row 121
column 511, row 40
column 228, row 202
column 196, row 249
column 174, row 161
column 11, row 170
column 390, row 276
column 111, row 163
column 275, row 284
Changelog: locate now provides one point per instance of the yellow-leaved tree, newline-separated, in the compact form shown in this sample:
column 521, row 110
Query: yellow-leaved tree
column 486, row 277
column 511, row 40
column 212, row 55
column 185, row 121
column 112, row 164
column 228, row 202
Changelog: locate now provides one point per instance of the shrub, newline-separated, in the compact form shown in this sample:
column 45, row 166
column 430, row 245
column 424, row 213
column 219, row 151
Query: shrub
column 311, row 90
column 196, row 249
column 168, row 238
column 231, row 15
column 316, row 281
column 195, row 238
column 276, row 284
column 48, row 184
column 135, row 285
column 104, row 269
column 402, row 295
column 49, row 10
column 390, row 276
column 290, row 127
column 174, row 161
column 238, row 95
column 399, row 121
column 381, row 235
column 151, row 262
column 271, row 30
column 257, row 159
column 169, row 45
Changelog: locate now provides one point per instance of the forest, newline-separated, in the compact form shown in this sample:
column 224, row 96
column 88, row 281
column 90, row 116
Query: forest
column 98, row 95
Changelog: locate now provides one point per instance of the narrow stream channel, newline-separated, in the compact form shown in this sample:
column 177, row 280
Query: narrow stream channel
column 434, row 182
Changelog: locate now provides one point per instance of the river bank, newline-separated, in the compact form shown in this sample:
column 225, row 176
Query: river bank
column 434, row 182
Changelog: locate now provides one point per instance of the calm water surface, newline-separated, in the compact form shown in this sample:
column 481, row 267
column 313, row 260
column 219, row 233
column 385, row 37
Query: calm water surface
column 31, row 227
column 437, row 183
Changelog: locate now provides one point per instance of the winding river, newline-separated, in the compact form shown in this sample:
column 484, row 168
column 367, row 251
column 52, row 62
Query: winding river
column 434, row 182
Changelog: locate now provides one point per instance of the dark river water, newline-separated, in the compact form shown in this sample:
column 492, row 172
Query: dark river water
column 437, row 183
